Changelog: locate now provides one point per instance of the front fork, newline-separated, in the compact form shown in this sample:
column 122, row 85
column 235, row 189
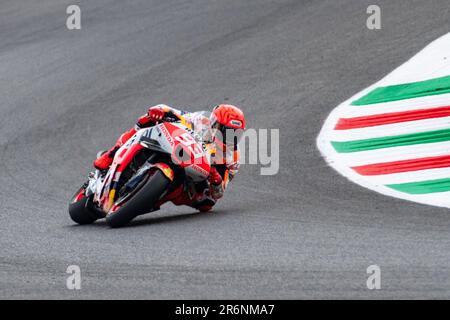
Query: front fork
column 137, row 179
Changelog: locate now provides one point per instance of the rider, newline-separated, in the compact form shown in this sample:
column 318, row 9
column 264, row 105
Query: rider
column 224, row 119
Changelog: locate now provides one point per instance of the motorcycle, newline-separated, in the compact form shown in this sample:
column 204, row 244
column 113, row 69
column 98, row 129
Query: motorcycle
column 150, row 166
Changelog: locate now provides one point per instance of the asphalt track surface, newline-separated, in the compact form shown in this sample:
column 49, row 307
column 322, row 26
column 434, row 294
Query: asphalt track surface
column 304, row 233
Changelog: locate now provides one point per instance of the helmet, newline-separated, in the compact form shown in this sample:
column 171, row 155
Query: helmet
column 227, row 119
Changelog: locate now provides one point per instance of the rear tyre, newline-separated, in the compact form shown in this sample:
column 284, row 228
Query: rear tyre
column 78, row 211
column 142, row 202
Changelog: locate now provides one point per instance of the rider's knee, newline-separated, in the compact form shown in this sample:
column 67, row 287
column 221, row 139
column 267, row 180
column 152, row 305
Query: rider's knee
column 204, row 208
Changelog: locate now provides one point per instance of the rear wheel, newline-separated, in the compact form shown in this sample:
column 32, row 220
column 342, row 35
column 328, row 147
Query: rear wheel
column 78, row 210
column 141, row 202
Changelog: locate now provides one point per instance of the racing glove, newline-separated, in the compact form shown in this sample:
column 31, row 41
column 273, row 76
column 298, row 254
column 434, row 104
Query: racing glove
column 215, row 183
column 153, row 115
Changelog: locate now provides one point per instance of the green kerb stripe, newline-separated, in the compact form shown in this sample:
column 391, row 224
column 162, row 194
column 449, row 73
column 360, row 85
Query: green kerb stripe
column 391, row 141
column 406, row 91
column 422, row 187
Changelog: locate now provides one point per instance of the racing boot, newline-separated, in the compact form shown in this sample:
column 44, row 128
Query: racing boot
column 103, row 162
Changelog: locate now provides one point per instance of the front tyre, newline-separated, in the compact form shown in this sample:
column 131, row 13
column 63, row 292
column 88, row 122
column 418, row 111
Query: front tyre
column 142, row 202
column 78, row 210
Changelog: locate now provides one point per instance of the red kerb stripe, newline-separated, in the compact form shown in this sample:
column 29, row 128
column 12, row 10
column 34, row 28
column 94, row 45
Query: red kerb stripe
column 403, row 166
column 389, row 118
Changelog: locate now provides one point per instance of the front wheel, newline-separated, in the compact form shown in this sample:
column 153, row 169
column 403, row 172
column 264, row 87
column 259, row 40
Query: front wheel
column 142, row 202
column 78, row 210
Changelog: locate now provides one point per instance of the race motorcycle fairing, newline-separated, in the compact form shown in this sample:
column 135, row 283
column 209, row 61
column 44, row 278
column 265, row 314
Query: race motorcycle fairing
column 150, row 165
